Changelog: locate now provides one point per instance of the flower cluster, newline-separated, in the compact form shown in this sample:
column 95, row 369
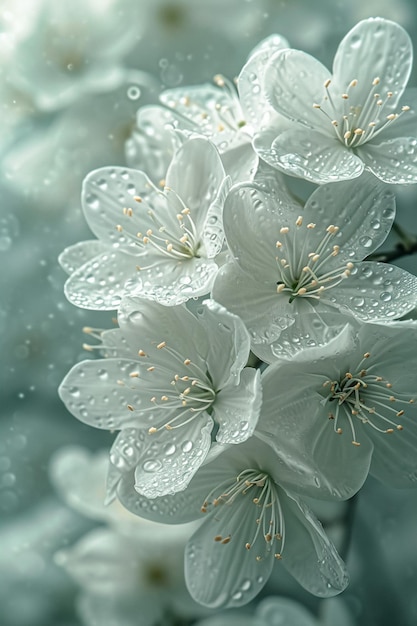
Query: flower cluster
column 260, row 357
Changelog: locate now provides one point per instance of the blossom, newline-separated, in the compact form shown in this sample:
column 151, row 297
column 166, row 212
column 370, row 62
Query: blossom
column 349, row 408
column 333, row 126
column 252, row 520
column 127, row 567
column 213, row 110
column 295, row 270
column 73, row 49
column 157, row 244
column 169, row 377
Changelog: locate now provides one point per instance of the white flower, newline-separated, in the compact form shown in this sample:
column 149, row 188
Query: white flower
column 213, row 110
column 252, row 521
column 336, row 125
column 130, row 567
column 74, row 48
column 156, row 244
column 296, row 269
column 349, row 408
column 169, row 378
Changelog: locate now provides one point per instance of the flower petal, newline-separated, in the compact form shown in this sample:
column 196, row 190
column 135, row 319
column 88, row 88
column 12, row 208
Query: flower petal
column 250, row 81
column 228, row 343
column 255, row 302
column 308, row 554
column 220, row 575
column 374, row 48
column 288, row 611
column 308, row 154
column 196, row 174
column 236, row 408
column 99, row 392
column 363, row 210
column 173, row 457
column 392, row 161
column 293, row 83
column 240, row 162
column 377, row 292
column 75, row 256
column 101, row 282
column 109, row 190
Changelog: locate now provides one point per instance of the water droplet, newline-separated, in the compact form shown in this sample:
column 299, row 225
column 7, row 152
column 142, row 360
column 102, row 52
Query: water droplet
column 366, row 242
column 169, row 449
column 187, row 446
column 152, row 465
column 385, row 296
column 133, row 92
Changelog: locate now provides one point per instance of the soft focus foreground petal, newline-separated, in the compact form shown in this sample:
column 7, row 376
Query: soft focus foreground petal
column 254, row 302
column 275, row 610
column 392, row 161
column 220, row 575
column 237, row 407
column 363, row 209
column 196, row 174
column 75, row 256
column 374, row 48
column 232, row 619
column 99, row 392
column 117, row 609
column 68, row 470
column 101, row 562
column 308, row 554
column 378, row 292
column 228, row 343
column 308, row 154
column 173, row 457
column 293, row 83
column 100, row 283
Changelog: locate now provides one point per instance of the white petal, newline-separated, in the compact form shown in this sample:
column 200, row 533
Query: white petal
column 263, row 312
column 378, row 292
column 173, row 458
column 227, row 575
column 250, row 81
column 364, row 211
column 293, row 83
column 196, row 174
column 236, row 408
column 109, row 190
column 308, row 154
column 147, row 324
column 152, row 143
column 240, row 162
column 393, row 161
column 171, row 282
column 120, row 608
column 92, row 393
column 308, row 554
column 228, row 345
column 374, row 48
column 74, row 256
column 100, row 283
column 251, row 224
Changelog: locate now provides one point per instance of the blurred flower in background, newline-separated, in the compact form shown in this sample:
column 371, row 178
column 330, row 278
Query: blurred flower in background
column 73, row 77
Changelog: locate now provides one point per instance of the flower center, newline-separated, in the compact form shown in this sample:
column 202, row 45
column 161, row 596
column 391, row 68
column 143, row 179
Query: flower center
column 186, row 389
column 355, row 122
column 306, row 274
column 260, row 491
column 367, row 397
column 177, row 239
